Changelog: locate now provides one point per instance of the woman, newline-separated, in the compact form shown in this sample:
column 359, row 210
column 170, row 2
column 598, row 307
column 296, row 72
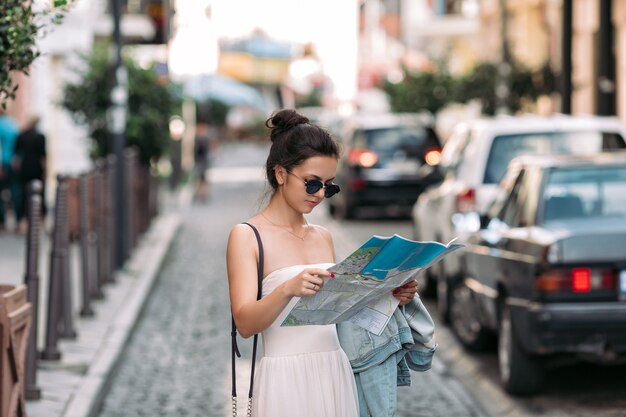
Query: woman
column 304, row 371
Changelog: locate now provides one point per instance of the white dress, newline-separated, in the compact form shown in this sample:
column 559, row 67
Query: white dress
column 304, row 372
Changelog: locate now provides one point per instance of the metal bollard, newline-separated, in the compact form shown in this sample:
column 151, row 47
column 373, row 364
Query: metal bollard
column 101, row 238
column 66, row 320
column 31, row 279
column 113, row 251
column 51, row 351
column 86, row 242
column 129, row 195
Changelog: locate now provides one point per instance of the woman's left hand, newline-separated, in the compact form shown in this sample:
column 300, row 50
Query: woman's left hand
column 406, row 292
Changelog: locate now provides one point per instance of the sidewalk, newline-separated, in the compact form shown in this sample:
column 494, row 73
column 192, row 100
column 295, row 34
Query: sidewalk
column 72, row 386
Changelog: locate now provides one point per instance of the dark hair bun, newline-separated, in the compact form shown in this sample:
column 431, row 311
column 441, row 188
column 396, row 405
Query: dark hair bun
column 284, row 120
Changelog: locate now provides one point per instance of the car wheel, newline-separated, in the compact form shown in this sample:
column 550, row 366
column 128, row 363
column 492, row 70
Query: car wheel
column 443, row 295
column 464, row 318
column 521, row 374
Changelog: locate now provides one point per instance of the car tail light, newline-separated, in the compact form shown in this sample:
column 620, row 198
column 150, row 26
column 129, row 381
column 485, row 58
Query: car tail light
column 581, row 279
column 432, row 156
column 365, row 158
column 577, row 280
column 356, row 184
column 466, row 201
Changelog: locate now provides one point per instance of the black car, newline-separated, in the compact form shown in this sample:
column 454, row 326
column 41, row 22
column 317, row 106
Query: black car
column 387, row 160
column 547, row 270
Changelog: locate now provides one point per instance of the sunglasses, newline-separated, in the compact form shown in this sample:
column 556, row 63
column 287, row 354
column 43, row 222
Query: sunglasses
column 313, row 186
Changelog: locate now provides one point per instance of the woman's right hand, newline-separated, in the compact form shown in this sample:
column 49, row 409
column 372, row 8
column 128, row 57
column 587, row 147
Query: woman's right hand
column 307, row 283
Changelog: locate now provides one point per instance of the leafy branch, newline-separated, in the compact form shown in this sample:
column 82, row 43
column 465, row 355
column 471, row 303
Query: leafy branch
column 19, row 29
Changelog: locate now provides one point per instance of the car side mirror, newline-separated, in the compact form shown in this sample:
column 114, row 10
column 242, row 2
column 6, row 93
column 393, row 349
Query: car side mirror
column 484, row 221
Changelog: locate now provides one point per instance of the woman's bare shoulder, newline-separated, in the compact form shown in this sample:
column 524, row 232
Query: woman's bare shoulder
column 241, row 232
column 322, row 231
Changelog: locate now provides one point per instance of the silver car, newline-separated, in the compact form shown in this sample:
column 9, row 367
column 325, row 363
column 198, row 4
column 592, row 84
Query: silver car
column 474, row 159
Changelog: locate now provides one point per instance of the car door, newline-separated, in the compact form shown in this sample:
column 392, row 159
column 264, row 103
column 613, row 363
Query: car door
column 486, row 255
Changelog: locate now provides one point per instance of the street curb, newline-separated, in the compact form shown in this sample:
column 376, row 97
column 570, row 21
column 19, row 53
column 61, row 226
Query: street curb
column 143, row 267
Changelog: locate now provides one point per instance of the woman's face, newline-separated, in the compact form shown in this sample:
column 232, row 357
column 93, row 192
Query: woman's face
column 321, row 168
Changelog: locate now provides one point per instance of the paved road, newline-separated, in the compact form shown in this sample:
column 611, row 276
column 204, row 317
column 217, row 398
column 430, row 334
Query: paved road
column 178, row 360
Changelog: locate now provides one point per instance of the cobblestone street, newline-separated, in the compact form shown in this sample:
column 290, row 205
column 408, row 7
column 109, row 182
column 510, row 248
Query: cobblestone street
column 177, row 362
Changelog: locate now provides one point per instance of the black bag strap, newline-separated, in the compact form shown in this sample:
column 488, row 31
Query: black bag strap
column 235, row 349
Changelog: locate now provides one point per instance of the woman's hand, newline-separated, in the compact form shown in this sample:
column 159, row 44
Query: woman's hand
column 406, row 292
column 307, row 282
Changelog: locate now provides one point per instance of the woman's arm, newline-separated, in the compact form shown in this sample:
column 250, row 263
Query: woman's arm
column 252, row 316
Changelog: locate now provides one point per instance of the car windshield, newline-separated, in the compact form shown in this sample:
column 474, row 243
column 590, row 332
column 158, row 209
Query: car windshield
column 585, row 192
column 506, row 147
column 396, row 142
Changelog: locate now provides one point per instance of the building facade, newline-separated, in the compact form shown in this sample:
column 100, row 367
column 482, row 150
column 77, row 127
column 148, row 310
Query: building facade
column 534, row 36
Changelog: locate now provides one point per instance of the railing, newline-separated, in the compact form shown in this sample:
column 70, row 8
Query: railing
column 83, row 217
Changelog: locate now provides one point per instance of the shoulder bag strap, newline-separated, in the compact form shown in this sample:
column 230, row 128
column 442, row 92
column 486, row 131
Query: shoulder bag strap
column 235, row 348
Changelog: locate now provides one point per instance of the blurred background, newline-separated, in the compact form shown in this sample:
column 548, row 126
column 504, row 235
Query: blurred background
column 437, row 105
column 453, row 58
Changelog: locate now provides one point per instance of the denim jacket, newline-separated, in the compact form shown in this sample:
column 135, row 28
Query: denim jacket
column 409, row 336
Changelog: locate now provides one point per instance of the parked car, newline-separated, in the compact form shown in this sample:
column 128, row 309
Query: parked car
column 387, row 160
column 547, row 270
column 473, row 160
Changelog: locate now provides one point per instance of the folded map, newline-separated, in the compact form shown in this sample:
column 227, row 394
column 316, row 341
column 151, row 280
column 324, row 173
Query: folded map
column 363, row 282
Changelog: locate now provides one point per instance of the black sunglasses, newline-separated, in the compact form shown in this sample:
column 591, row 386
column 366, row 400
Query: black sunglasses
column 313, row 186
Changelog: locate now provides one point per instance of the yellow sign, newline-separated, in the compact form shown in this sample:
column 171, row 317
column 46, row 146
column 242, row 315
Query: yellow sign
column 249, row 69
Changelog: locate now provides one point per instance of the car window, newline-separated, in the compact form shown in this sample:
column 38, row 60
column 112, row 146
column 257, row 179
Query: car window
column 512, row 208
column 585, row 192
column 390, row 142
column 506, row 147
column 503, row 193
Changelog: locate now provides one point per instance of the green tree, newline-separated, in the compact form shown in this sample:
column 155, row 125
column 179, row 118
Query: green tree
column 18, row 33
column 433, row 90
column 150, row 105
column 480, row 84
column 419, row 91
column 524, row 85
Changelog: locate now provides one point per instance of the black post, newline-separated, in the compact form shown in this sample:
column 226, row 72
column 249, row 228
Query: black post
column 606, row 63
column 504, row 67
column 51, row 351
column 119, row 98
column 31, row 279
column 66, row 320
column 114, row 234
column 566, row 58
column 175, row 160
column 129, row 196
column 86, row 238
column 100, row 228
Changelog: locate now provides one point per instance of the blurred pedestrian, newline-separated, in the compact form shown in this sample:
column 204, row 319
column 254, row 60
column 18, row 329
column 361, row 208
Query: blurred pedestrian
column 305, row 371
column 29, row 163
column 202, row 150
column 8, row 134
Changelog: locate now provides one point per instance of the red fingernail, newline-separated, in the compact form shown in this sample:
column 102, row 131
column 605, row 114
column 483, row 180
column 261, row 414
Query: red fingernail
column 332, row 275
